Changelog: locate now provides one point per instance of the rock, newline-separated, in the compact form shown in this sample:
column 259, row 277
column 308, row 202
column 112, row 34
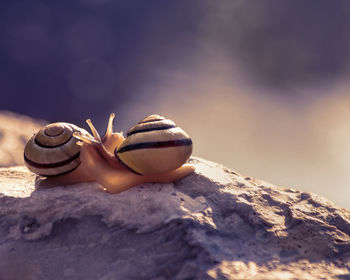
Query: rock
column 213, row 224
column 15, row 130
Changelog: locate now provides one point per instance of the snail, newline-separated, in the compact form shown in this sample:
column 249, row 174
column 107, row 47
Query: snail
column 154, row 150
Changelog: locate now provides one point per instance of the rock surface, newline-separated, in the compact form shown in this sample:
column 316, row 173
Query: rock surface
column 15, row 130
column 213, row 224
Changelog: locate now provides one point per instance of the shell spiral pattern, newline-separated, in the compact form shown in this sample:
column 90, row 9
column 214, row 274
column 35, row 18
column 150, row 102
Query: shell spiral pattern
column 53, row 150
column 154, row 145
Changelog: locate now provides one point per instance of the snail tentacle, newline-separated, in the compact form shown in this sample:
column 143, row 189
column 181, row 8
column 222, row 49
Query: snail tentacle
column 98, row 144
column 85, row 139
column 109, row 130
column 93, row 130
column 111, row 140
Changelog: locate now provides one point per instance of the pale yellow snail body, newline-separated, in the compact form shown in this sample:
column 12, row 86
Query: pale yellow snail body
column 155, row 150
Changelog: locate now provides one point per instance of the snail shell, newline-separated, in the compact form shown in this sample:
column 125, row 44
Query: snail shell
column 154, row 145
column 53, row 150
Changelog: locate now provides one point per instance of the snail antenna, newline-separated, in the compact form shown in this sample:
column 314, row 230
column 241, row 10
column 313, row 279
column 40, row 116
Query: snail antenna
column 109, row 130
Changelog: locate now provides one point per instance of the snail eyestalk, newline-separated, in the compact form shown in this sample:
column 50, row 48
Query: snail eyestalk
column 97, row 143
column 109, row 130
column 85, row 139
column 93, row 130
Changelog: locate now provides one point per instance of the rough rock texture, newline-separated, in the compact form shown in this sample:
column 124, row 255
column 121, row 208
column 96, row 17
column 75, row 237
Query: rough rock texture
column 15, row 130
column 213, row 224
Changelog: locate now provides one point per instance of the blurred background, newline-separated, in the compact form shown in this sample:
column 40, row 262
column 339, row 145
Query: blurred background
column 261, row 86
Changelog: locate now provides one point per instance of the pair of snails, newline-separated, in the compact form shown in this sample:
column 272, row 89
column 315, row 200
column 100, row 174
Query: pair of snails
column 154, row 150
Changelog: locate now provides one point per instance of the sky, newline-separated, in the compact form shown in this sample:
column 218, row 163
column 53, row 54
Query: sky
column 261, row 86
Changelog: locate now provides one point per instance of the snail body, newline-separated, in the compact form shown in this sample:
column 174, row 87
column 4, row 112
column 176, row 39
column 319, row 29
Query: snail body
column 155, row 150
column 53, row 150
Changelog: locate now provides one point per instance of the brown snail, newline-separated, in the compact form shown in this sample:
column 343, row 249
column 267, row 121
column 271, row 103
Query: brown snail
column 155, row 150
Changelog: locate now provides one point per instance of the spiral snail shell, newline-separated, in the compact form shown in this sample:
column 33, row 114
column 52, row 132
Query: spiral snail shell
column 53, row 150
column 154, row 145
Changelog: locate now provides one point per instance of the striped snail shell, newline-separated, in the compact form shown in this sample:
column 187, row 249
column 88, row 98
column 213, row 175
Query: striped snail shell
column 154, row 145
column 53, row 150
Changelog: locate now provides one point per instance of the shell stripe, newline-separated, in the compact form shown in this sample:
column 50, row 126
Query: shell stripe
column 51, row 165
column 151, row 129
column 152, row 145
column 46, row 146
column 64, row 172
column 152, row 120
column 52, row 136
column 128, row 167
